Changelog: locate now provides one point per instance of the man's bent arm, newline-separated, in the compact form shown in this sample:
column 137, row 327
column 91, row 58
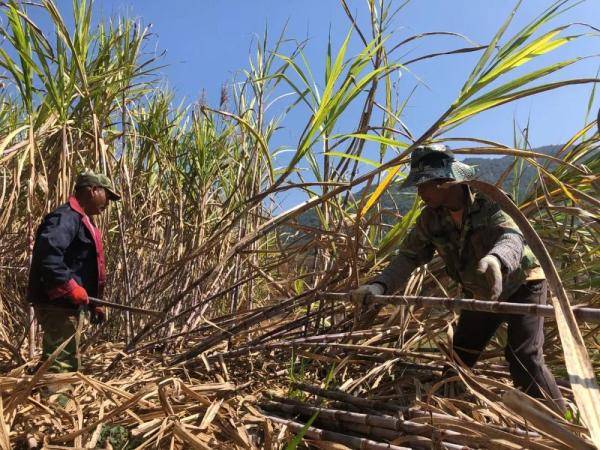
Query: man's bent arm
column 415, row 250
column 510, row 243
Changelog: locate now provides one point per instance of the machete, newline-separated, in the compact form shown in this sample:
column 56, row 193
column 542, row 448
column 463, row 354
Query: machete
column 149, row 312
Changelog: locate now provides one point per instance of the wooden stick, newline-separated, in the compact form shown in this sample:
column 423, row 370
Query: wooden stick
column 583, row 314
column 150, row 312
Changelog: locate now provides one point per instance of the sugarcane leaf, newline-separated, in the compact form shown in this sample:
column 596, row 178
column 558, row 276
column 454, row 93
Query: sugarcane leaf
column 293, row 445
column 10, row 136
column 361, row 159
column 464, row 92
column 381, row 188
column 521, row 37
column 380, row 140
column 540, row 46
column 398, row 230
column 477, row 106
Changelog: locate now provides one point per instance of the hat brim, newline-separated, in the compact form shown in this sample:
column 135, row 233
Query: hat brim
column 415, row 180
column 112, row 195
column 456, row 172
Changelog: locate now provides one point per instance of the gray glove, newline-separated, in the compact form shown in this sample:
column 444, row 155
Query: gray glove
column 360, row 294
column 491, row 266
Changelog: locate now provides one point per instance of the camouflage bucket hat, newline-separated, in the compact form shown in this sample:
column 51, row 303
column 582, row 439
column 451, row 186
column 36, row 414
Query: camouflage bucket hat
column 435, row 162
column 89, row 178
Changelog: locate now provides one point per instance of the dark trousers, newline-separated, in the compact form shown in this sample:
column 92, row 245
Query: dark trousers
column 524, row 350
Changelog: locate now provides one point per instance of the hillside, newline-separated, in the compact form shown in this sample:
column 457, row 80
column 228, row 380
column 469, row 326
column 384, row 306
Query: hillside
column 488, row 169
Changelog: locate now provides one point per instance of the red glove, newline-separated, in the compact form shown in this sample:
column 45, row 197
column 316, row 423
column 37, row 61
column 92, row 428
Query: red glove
column 78, row 296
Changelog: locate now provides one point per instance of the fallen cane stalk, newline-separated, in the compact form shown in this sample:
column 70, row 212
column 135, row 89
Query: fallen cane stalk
column 350, row 441
column 524, row 406
column 391, row 424
column 281, row 308
column 583, row 314
column 348, row 398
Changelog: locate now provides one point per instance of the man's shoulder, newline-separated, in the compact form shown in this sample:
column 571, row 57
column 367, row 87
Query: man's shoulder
column 62, row 209
column 483, row 205
column 429, row 220
column 62, row 214
column 487, row 212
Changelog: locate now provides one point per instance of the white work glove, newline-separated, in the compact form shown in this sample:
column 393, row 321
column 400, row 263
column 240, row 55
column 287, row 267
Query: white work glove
column 360, row 294
column 491, row 266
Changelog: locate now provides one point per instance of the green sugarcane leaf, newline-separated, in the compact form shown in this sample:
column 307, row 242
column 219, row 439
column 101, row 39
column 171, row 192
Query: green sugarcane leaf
column 361, row 159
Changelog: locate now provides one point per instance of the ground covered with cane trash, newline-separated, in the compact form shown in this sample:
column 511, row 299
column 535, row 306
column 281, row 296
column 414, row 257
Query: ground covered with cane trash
column 360, row 389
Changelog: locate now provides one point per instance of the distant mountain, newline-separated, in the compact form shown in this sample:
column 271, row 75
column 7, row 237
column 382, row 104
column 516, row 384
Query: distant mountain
column 488, row 169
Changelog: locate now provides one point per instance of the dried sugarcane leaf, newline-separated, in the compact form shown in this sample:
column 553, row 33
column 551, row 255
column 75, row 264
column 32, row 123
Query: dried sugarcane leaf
column 210, row 414
column 524, row 406
column 4, row 430
column 188, row 438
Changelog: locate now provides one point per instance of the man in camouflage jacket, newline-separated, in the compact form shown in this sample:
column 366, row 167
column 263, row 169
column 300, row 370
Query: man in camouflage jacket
column 485, row 253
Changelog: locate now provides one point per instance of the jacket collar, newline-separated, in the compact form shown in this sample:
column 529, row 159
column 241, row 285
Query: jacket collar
column 470, row 197
column 76, row 206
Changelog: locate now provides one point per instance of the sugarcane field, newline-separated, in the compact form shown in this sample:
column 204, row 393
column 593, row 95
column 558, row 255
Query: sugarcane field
column 294, row 225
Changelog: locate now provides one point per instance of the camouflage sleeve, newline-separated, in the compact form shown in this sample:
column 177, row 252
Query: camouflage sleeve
column 509, row 245
column 415, row 250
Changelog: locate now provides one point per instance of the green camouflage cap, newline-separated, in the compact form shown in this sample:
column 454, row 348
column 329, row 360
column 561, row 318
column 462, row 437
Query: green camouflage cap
column 435, row 162
column 89, row 178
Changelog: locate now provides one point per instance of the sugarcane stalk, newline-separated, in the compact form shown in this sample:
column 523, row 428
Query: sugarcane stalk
column 286, row 327
column 379, row 426
column 221, row 321
column 150, row 312
column 583, row 314
column 348, row 398
column 325, row 435
column 515, row 438
column 265, row 314
column 259, row 344
column 415, row 415
column 415, row 441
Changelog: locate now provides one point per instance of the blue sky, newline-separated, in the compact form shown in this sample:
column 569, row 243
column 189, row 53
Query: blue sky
column 207, row 41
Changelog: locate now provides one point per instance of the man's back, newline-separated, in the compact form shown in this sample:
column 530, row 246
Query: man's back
column 64, row 253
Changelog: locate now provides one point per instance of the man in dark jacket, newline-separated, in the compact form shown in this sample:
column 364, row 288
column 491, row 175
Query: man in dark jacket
column 485, row 253
column 67, row 268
